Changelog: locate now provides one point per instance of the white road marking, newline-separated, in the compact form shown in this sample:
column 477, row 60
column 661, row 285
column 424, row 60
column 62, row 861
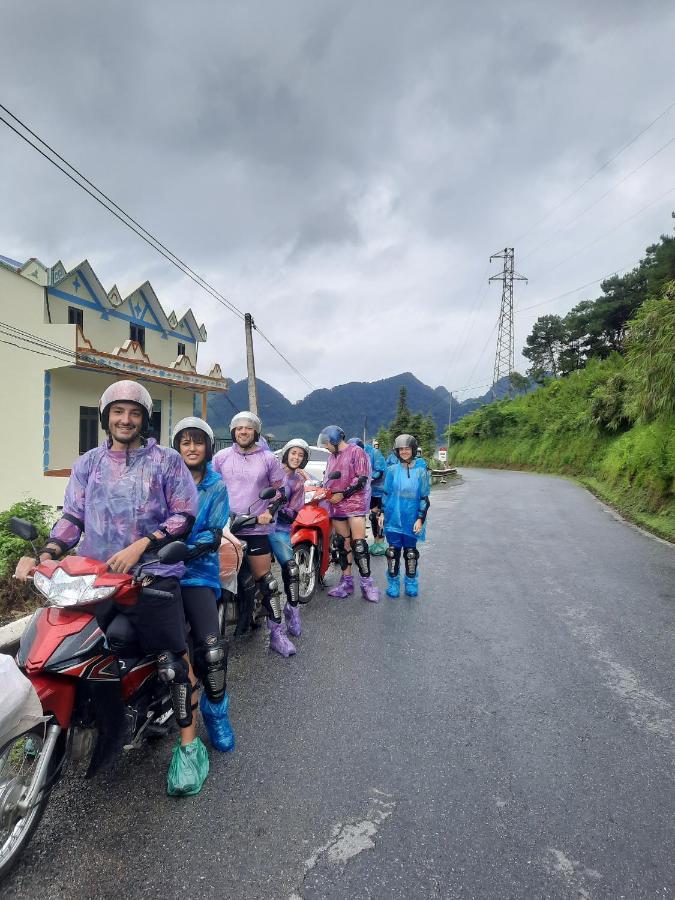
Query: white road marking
column 348, row 839
column 645, row 709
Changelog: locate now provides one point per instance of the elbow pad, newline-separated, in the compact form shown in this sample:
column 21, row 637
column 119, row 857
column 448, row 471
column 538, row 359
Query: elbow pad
column 425, row 503
column 360, row 484
column 210, row 545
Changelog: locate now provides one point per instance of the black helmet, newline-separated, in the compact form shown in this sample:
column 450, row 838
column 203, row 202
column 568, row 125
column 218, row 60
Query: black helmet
column 357, row 442
column 405, row 440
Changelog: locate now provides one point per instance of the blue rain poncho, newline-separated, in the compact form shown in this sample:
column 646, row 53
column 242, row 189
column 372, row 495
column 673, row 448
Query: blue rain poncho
column 406, row 497
column 392, row 459
column 214, row 509
column 379, row 470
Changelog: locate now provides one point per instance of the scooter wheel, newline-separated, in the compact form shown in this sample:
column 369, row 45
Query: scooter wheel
column 309, row 574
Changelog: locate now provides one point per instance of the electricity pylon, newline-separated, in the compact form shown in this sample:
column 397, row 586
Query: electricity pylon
column 505, row 357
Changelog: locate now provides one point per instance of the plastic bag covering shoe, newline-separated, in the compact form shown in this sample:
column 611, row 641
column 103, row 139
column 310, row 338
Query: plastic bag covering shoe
column 370, row 590
column 279, row 642
column 292, row 616
column 188, row 769
column 377, row 548
column 411, row 585
column 393, row 585
column 344, row 587
column 217, row 723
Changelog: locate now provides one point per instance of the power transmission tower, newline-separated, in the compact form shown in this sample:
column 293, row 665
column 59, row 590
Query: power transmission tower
column 505, row 357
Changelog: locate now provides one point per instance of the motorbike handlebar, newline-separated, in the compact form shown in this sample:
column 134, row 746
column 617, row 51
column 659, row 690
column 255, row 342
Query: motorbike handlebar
column 159, row 595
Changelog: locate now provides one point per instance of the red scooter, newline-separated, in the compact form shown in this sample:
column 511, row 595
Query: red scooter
column 310, row 539
column 90, row 711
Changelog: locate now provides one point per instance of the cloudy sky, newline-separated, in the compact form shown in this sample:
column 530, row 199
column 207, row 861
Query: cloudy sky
column 344, row 170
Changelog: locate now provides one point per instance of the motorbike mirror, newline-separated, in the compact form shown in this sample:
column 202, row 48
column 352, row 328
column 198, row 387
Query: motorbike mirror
column 334, row 475
column 175, row 552
column 267, row 493
column 23, row 529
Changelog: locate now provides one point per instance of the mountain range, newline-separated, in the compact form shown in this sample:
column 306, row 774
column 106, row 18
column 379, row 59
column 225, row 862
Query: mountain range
column 350, row 405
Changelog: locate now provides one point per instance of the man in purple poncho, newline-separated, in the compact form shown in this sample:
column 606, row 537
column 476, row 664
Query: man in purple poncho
column 125, row 499
column 350, row 505
column 247, row 468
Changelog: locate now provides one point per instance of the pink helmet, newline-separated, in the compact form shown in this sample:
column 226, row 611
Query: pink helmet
column 127, row 392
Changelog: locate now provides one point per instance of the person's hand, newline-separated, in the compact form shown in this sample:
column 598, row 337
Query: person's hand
column 23, row 567
column 264, row 518
column 337, row 498
column 417, row 527
column 124, row 560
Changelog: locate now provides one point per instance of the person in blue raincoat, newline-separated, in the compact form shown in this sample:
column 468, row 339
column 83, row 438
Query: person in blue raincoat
column 379, row 470
column 406, row 503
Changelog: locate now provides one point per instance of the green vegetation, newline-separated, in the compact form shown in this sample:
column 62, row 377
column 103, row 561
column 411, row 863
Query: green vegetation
column 17, row 599
column 606, row 411
column 406, row 422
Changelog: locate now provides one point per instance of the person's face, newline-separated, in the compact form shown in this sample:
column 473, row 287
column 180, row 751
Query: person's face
column 295, row 457
column 244, row 435
column 405, row 454
column 192, row 447
column 125, row 422
column 376, row 445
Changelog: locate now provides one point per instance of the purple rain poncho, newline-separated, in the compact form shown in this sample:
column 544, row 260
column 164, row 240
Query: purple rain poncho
column 115, row 497
column 352, row 462
column 245, row 475
column 294, row 488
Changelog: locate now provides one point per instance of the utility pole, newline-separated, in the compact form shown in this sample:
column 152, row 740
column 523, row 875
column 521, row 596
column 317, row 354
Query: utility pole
column 505, row 358
column 450, row 422
column 249, row 325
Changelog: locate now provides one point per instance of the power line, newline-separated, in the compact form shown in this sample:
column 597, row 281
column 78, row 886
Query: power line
column 574, row 290
column 597, row 172
column 134, row 226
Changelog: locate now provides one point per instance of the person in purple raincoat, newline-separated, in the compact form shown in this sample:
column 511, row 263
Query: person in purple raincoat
column 247, row 468
column 125, row 499
column 350, row 505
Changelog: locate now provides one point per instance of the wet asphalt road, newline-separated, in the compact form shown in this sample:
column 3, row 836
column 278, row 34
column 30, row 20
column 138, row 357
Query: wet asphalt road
column 510, row 733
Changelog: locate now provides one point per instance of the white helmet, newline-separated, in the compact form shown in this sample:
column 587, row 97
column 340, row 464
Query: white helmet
column 124, row 392
column 301, row 445
column 200, row 425
column 246, row 418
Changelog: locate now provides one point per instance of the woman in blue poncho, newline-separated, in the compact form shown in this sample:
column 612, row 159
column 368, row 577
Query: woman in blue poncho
column 406, row 503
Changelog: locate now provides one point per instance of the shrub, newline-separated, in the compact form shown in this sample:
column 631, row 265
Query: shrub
column 13, row 547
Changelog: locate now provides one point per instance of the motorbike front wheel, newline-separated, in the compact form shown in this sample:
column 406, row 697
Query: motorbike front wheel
column 309, row 571
column 19, row 759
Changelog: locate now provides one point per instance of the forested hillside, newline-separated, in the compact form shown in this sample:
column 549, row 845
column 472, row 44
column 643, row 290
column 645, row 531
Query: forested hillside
column 606, row 412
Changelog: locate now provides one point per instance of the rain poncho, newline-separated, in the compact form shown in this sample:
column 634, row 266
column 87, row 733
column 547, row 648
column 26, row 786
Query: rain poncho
column 214, row 509
column 294, row 489
column 406, row 492
column 352, row 462
column 392, row 459
column 245, row 475
column 116, row 497
column 379, row 470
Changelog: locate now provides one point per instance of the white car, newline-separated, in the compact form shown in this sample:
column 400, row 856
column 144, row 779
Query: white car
column 316, row 467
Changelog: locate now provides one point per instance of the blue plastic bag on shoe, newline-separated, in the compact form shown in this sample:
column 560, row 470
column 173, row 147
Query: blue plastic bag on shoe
column 217, row 723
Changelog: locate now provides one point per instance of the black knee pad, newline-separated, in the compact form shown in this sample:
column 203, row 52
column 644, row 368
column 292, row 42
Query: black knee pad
column 362, row 557
column 393, row 555
column 211, row 666
column 271, row 598
column 342, row 552
column 173, row 670
column 245, row 601
column 411, row 555
column 290, row 572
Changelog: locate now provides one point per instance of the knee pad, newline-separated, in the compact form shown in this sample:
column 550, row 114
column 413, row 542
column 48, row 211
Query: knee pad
column 393, row 555
column 290, row 572
column 211, row 666
column 342, row 552
column 245, row 600
column 271, row 597
column 362, row 557
column 411, row 555
column 173, row 670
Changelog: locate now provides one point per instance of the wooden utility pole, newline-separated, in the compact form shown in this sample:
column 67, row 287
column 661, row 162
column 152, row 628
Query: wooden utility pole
column 250, row 364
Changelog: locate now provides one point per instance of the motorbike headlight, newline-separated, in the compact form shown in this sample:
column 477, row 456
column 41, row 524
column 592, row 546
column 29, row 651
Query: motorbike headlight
column 42, row 583
column 309, row 495
column 63, row 589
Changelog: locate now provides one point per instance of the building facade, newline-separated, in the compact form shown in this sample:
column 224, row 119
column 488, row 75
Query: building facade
column 63, row 340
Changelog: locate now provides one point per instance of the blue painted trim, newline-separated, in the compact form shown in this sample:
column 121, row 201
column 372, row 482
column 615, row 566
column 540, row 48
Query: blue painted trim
column 47, row 415
column 107, row 313
column 148, row 308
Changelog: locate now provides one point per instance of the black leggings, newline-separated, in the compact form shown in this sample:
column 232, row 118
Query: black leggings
column 201, row 610
column 152, row 625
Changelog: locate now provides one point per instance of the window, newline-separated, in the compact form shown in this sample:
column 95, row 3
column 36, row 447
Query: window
column 156, row 421
column 137, row 333
column 181, row 349
column 88, row 428
column 75, row 317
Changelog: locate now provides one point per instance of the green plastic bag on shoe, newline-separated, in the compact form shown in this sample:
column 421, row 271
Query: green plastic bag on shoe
column 377, row 548
column 188, row 769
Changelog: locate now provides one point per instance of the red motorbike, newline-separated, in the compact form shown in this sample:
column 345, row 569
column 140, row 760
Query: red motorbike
column 311, row 538
column 90, row 710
